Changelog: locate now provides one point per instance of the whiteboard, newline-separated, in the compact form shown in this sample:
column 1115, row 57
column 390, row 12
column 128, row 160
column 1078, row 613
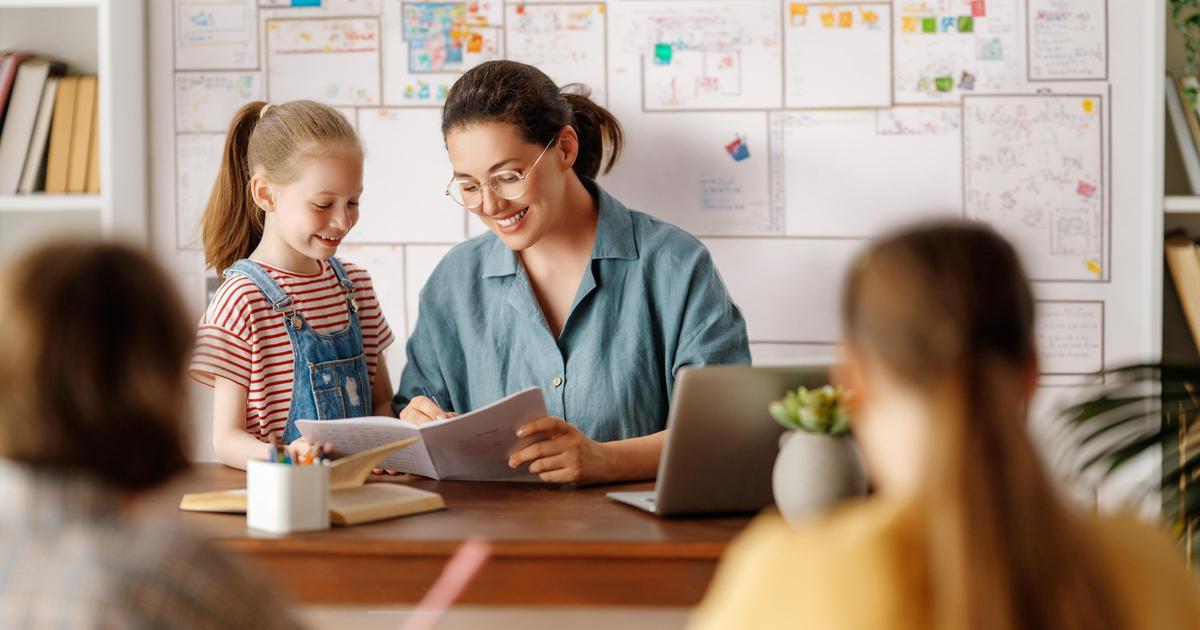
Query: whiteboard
column 785, row 145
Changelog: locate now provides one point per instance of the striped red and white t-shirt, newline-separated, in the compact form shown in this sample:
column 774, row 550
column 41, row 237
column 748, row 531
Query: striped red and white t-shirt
column 243, row 339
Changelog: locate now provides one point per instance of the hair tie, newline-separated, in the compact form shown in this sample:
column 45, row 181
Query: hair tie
column 263, row 112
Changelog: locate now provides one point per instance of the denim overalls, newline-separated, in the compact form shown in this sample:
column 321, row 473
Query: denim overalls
column 329, row 376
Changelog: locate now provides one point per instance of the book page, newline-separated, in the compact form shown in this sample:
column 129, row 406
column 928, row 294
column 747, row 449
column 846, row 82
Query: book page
column 352, row 435
column 476, row 445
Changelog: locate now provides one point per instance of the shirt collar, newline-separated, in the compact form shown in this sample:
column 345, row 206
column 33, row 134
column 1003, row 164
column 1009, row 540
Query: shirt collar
column 614, row 236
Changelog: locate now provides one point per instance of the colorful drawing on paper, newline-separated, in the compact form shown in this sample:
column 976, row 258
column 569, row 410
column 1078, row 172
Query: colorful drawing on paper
column 440, row 39
column 945, row 48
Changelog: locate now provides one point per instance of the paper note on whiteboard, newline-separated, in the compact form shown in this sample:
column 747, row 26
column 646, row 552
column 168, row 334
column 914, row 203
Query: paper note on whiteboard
column 1068, row 39
column 1033, row 169
column 332, row 61
column 838, row 55
column 215, row 34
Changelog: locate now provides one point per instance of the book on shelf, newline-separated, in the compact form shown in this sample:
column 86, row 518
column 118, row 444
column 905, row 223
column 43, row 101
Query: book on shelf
column 33, row 175
column 1183, row 260
column 24, row 104
column 351, row 500
column 59, row 151
column 81, row 135
column 8, row 71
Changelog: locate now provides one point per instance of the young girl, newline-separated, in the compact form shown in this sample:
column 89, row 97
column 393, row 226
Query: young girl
column 92, row 399
column 597, row 304
column 292, row 333
column 966, row 530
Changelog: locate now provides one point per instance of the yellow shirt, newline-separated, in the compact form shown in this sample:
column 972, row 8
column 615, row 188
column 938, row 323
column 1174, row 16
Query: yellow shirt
column 861, row 567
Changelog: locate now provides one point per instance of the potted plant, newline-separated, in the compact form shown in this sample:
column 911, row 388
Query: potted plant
column 818, row 464
column 1146, row 407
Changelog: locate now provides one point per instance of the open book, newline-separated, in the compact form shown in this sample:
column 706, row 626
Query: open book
column 351, row 501
column 473, row 446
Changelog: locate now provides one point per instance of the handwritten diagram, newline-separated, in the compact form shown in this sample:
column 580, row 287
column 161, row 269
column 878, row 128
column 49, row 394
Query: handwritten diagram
column 707, row 55
column 1033, row 168
column 440, row 39
column 566, row 41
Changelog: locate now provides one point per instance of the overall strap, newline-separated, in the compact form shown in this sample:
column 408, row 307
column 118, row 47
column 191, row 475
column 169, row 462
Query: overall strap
column 345, row 281
column 263, row 280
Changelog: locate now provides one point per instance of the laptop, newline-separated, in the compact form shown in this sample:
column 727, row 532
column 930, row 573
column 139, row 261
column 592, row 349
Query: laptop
column 721, row 441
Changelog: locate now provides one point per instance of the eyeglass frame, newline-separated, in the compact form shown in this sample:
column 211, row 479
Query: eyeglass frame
column 519, row 174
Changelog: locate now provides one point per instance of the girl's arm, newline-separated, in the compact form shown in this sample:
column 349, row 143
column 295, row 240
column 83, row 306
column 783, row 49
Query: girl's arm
column 234, row 446
column 381, row 389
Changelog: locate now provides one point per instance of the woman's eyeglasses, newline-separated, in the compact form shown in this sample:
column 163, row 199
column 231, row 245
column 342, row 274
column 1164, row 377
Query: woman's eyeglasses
column 507, row 184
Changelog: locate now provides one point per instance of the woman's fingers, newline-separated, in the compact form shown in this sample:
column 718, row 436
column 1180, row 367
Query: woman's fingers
column 545, row 424
column 546, row 448
column 420, row 410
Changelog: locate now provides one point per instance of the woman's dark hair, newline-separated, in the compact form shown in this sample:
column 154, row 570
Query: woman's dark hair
column 93, row 351
column 519, row 94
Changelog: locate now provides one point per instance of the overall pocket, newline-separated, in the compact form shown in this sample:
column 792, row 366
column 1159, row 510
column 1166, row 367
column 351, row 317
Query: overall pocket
column 341, row 388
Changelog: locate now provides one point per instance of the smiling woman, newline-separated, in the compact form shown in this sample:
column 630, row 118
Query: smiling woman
column 571, row 291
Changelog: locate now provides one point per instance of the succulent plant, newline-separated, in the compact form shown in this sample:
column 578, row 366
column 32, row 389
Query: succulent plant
column 814, row 410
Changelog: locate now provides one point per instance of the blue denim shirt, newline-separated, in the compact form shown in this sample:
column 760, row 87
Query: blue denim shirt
column 649, row 303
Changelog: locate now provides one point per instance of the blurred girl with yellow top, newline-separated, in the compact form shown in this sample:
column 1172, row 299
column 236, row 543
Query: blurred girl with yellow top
column 965, row 529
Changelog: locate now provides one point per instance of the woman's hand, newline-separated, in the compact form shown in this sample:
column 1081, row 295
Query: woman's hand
column 568, row 456
column 421, row 409
column 298, row 449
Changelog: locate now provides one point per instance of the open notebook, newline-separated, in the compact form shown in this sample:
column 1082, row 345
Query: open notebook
column 472, row 447
column 351, row 501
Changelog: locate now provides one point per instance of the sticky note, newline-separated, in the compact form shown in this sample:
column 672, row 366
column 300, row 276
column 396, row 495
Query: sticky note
column 1089, row 105
column 827, row 19
column 845, row 19
column 978, row 8
column 929, row 25
column 966, row 24
column 948, row 24
column 738, row 150
column 306, row 3
column 797, row 9
column 908, row 24
column 1094, row 267
column 662, row 54
column 870, row 18
column 1085, row 189
column 944, row 84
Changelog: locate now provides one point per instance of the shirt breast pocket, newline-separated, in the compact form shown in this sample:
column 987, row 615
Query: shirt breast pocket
column 340, row 388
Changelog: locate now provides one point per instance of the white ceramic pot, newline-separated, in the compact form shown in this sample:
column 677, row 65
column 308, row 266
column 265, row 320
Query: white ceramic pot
column 814, row 471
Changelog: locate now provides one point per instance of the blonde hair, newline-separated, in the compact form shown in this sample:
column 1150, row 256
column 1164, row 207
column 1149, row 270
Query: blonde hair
column 946, row 309
column 277, row 139
column 93, row 348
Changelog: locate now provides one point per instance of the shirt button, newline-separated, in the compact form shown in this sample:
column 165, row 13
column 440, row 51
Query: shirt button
column 557, row 381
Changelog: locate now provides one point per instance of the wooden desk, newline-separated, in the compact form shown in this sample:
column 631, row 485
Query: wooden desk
column 549, row 546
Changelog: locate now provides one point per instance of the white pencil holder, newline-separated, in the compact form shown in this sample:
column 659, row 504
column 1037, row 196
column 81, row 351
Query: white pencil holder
column 282, row 498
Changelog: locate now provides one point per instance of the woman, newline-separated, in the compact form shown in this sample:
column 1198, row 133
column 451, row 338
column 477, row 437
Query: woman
column 571, row 291
column 966, row 530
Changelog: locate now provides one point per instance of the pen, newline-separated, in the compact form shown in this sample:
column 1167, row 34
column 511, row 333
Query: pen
column 428, row 394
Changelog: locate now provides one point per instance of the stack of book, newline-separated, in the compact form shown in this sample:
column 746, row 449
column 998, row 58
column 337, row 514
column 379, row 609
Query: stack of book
column 48, row 128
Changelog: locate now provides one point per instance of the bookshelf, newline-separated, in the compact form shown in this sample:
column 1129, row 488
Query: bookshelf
column 105, row 38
